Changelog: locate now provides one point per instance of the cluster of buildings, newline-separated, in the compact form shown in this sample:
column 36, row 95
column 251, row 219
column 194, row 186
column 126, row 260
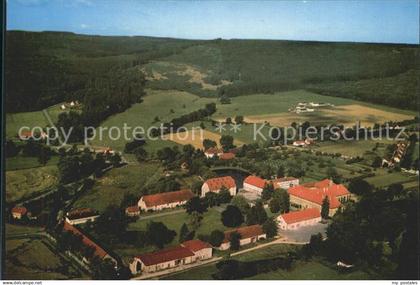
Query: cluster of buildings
column 303, row 143
column 307, row 200
column 191, row 251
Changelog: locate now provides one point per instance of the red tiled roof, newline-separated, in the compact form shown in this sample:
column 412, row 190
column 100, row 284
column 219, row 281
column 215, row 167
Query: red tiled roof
column 132, row 209
column 298, row 216
column 165, row 255
column 167, row 198
column 19, row 210
column 99, row 251
column 227, row 156
column 316, row 192
column 213, row 150
column 81, row 213
column 195, row 245
column 245, row 232
column 218, row 182
column 256, row 181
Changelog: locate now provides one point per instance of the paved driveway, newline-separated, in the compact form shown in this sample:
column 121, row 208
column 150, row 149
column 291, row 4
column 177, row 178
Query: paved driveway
column 303, row 234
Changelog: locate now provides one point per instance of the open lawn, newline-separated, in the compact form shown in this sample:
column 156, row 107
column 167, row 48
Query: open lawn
column 195, row 136
column 347, row 115
column 22, row 183
column 34, row 260
column 302, row 270
column 14, row 121
column 162, row 105
column 11, row 230
column 111, row 188
column 383, row 178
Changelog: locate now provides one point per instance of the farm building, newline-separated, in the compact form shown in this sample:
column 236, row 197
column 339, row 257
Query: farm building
column 295, row 220
column 98, row 251
column 285, row 182
column 186, row 253
column 254, row 184
column 311, row 195
column 211, row 152
column 19, row 212
column 81, row 216
column 157, row 202
column 132, row 211
column 216, row 184
column 249, row 234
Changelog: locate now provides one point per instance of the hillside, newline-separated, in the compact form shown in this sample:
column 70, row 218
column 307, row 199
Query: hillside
column 46, row 68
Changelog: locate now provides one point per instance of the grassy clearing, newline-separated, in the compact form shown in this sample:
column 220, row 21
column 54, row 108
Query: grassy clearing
column 195, row 137
column 11, row 230
column 110, row 189
column 34, row 260
column 21, row 183
column 165, row 105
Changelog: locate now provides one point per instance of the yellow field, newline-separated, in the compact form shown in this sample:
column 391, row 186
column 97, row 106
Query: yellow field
column 195, row 137
column 347, row 115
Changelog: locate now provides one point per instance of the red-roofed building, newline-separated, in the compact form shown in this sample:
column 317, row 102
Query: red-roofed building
column 295, row 220
column 81, row 216
column 19, row 212
column 132, row 211
column 186, row 253
column 216, row 184
column 157, row 202
column 311, row 195
column 249, row 234
column 99, row 251
column 202, row 250
column 254, row 184
column 285, row 182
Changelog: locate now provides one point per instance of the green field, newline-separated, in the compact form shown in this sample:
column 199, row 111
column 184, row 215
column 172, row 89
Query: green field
column 110, row 189
column 211, row 221
column 25, row 182
column 14, row 121
column 301, row 270
column 155, row 104
column 383, row 178
column 33, row 259
column 22, row 162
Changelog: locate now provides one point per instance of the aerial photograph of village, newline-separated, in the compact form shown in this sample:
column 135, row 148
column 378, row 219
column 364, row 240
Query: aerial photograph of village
column 210, row 140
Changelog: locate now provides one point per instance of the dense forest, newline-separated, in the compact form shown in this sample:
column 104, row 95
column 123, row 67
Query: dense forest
column 50, row 67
